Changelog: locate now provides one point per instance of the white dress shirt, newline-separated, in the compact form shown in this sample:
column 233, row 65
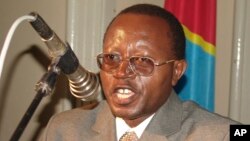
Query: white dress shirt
column 122, row 127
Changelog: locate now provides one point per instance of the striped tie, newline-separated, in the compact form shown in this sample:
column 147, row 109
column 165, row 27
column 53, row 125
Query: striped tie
column 129, row 136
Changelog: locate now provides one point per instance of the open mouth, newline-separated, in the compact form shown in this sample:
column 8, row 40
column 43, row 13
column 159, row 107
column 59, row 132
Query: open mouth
column 124, row 95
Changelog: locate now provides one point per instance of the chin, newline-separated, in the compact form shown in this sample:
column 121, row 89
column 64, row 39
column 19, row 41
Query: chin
column 123, row 112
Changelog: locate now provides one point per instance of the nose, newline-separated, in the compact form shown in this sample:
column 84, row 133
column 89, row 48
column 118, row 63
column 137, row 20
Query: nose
column 124, row 70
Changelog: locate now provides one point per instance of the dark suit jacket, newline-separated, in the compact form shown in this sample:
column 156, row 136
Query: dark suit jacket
column 174, row 121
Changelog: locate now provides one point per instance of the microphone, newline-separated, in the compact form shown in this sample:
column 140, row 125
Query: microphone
column 83, row 84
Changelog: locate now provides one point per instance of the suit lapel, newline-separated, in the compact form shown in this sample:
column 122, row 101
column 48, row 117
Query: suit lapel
column 104, row 125
column 167, row 120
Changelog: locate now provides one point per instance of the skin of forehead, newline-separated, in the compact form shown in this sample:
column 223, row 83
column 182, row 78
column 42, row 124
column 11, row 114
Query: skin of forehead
column 140, row 31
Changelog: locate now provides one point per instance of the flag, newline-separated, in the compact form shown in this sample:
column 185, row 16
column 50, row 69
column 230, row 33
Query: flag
column 198, row 18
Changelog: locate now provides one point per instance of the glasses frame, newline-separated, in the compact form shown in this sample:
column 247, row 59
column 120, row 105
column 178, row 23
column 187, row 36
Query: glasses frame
column 101, row 55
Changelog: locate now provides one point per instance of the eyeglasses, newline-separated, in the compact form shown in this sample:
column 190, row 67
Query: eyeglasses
column 143, row 66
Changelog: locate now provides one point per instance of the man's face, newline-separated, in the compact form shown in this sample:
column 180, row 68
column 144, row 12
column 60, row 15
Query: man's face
column 130, row 96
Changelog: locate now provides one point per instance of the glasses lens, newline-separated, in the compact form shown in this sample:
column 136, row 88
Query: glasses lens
column 142, row 65
column 108, row 62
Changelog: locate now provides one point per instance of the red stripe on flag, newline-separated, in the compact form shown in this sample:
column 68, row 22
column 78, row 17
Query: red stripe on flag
column 198, row 15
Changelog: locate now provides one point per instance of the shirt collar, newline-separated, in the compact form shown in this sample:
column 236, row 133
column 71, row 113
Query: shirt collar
column 122, row 127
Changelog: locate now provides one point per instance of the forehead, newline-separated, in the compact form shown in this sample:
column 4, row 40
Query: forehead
column 141, row 23
column 139, row 28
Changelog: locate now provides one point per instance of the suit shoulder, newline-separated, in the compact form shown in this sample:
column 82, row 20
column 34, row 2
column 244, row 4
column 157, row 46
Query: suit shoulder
column 202, row 116
column 73, row 124
column 76, row 116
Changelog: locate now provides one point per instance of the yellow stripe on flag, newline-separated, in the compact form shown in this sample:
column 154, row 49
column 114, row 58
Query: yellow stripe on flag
column 197, row 39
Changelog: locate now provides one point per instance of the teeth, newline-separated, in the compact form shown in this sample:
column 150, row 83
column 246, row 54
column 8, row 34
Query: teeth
column 124, row 91
column 122, row 96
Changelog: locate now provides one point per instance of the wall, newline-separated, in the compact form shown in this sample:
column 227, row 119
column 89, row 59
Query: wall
column 27, row 60
column 224, row 40
column 232, row 55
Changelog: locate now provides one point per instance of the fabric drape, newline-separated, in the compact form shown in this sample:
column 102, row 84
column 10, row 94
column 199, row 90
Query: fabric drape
column 198, row 18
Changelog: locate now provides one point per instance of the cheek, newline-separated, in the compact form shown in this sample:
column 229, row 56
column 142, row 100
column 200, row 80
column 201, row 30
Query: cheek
column 156, row 86
column 162, row 79
column 160, row 85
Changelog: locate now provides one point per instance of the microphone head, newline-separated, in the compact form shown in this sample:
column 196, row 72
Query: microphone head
column 84, row 85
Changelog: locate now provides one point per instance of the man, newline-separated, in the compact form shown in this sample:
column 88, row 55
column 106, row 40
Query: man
column 143, row 58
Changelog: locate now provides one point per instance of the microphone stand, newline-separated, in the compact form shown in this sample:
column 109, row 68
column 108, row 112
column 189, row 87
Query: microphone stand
column 44, row 87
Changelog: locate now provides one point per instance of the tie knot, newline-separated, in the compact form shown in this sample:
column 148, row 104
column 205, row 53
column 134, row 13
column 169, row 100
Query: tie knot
column 129, row 136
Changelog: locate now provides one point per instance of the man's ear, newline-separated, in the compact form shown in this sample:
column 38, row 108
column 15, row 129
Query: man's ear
column 178, row 70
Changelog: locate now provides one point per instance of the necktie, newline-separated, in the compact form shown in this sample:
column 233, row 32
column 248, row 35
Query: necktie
column 129, row 136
